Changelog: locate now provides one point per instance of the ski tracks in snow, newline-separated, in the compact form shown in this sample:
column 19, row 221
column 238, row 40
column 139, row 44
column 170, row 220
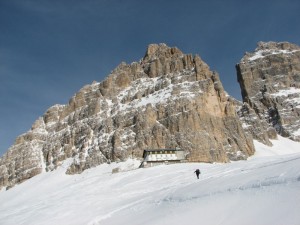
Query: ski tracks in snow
column 180, row 188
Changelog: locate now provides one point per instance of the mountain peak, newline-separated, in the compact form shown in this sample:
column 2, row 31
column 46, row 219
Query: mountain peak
column 161, row 50
column 166, row 100
column 269, row 49
column 269, row 79
column 271, row 45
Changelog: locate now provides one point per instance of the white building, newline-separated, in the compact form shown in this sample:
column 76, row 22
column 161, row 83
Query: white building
column 162, row 156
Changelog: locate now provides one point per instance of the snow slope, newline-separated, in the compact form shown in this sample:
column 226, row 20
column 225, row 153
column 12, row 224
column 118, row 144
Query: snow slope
column 262, row 190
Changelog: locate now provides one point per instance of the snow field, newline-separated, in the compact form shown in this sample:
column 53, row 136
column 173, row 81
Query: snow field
column 262, row 190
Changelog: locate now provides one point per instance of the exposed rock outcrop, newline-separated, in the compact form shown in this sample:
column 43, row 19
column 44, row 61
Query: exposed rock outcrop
column 270, row 83
column 168, row 99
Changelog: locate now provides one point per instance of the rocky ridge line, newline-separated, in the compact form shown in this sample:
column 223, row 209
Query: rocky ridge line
column 270, row 83
column 168, row 99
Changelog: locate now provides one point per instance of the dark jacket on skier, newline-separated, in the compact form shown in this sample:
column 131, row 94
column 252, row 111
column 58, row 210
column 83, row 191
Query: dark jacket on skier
column 197, row 171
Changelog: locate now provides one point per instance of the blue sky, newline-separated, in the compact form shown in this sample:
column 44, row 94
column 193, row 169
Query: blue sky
column 49, row 49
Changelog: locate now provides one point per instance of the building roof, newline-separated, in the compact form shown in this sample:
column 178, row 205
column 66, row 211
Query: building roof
column 160, row 149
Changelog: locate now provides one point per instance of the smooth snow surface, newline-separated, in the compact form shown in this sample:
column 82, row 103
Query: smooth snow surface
column 262, row 190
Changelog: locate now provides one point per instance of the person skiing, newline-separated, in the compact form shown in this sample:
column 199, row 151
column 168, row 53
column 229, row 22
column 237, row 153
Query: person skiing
column 197, row 171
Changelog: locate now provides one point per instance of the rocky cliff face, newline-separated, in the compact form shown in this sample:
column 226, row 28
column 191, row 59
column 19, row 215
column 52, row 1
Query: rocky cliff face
column 168, row 99
column 270, row 83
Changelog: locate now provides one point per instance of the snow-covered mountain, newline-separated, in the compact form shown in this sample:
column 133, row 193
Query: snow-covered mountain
column 168, row 99
column 263, row 190
column 270, row 84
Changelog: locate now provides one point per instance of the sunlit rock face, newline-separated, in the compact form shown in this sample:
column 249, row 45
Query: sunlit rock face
column 166, row 100
column 270, row 84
